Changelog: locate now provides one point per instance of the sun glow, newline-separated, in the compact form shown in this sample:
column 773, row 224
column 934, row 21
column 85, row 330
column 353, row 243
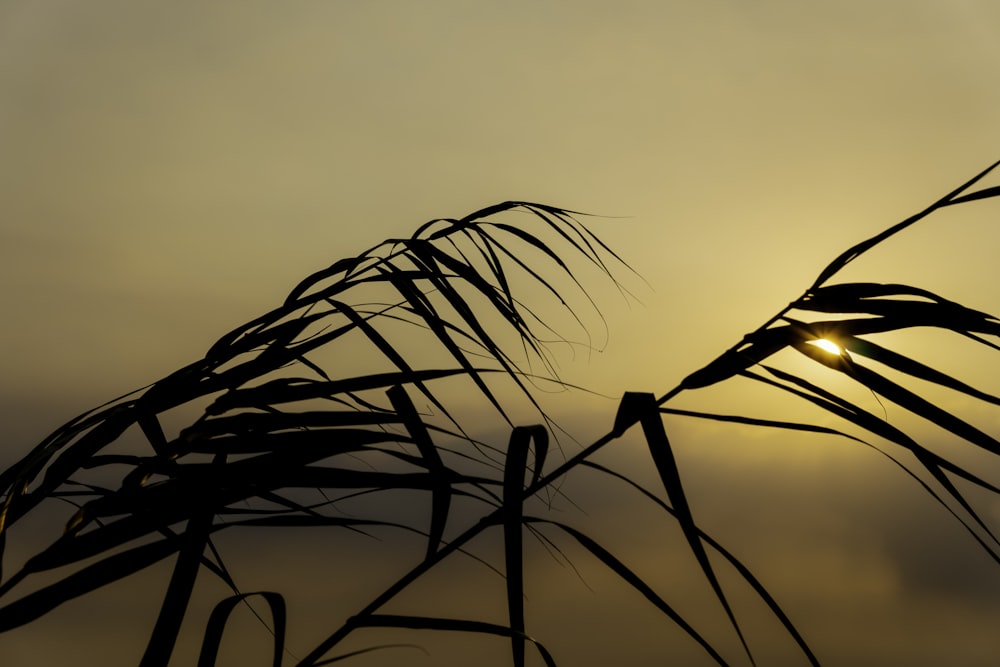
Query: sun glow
column 828, row 346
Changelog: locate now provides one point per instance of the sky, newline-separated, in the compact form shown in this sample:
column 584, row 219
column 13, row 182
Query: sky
column 170, row 170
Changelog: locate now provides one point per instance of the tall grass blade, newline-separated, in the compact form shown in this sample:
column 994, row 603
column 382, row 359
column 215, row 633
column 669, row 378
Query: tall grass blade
column 856, row 251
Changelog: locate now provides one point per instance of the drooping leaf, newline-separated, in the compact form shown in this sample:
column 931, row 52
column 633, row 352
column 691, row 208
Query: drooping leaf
column 440, row 478
column 216, row 626
column 642, row 407
column 747, row 575
column 513, row 519
column 635, row 581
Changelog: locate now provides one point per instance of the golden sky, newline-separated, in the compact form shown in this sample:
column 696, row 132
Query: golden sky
column 170, row 170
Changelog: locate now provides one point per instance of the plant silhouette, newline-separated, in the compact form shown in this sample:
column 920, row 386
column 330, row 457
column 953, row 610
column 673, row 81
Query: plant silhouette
column 273, row 419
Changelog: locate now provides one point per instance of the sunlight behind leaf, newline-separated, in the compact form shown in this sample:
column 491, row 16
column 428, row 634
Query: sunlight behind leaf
column 827, row 345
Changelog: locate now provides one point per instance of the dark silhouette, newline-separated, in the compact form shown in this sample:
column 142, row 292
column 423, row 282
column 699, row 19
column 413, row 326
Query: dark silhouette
column 272, row 417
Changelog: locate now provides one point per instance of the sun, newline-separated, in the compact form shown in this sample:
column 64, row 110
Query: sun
column 828, row 346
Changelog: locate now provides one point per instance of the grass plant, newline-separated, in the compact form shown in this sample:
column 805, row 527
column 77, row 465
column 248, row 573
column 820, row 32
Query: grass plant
column 274, row 418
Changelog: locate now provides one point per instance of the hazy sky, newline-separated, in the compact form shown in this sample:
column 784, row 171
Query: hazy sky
column 169, row 170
